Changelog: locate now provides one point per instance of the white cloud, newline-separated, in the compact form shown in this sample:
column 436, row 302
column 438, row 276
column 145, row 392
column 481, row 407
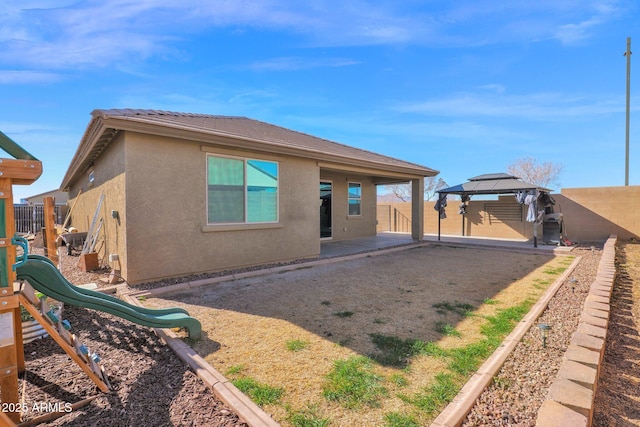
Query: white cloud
column 26, row 77
column 535, row 106
column 62, row 34
column 300, row 63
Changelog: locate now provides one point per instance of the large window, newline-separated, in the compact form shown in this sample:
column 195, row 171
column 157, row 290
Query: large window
column 355, row 198
column 241, row 190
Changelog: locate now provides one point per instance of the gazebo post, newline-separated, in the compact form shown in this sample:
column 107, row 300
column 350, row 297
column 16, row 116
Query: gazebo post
column 417, row 209
column 535, row 220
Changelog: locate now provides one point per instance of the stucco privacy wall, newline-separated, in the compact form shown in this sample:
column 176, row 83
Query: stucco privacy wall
column 166, row 220
column 109, row 179
column 594, row 213
column 343, row 225
column 503, row 218
column 590, row 214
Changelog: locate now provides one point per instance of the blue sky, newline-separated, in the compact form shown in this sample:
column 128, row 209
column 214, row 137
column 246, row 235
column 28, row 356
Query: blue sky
column 465, row 87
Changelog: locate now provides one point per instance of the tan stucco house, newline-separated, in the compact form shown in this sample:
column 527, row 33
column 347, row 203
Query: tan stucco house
column 191, row 193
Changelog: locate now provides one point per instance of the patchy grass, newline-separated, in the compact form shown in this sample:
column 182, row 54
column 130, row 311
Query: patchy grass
column 353, row 383
column 459, row 308
column 261, row 394
column 398, row 419
column 394, row 351
column 463, row 361
column 382, row 362
column 446, row 329
column 234, row 370
column 554, row 271
column 431, row 399
column 308, row 417
column 399, row 380
column 297, row 345
column 344, row 313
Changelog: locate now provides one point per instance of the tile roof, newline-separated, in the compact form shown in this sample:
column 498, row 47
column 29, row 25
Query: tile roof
column 254, row 130
column 236, row 127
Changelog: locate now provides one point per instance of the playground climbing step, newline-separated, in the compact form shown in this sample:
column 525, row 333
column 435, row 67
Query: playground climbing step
column 50, row 317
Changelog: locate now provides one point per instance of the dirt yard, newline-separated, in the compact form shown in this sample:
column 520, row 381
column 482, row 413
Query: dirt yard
column 287, row 330
column 617, row 401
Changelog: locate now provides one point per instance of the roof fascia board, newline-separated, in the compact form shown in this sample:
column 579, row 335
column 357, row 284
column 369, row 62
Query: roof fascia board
column 394, row 174
column 90, row 138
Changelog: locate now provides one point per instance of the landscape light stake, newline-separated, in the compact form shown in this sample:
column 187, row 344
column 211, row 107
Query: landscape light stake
column 544, row 331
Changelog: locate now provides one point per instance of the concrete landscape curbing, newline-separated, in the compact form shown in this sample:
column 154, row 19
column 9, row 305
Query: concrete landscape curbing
column 570, row 400
column 571, row 396
column 237, row 401
column 455, row 413
column 579, row 371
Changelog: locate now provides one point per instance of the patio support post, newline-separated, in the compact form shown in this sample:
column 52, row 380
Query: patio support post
column 417, row 209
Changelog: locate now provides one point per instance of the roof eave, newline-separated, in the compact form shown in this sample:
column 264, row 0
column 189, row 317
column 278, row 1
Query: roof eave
column 101, row 123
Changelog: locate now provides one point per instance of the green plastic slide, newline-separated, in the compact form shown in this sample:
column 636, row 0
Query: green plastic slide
column 43, row 275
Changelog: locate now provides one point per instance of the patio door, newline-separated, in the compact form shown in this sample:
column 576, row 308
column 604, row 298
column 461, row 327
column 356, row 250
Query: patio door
column 326, row 188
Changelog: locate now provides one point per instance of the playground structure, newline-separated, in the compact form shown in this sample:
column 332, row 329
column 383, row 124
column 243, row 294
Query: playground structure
column 38, row 273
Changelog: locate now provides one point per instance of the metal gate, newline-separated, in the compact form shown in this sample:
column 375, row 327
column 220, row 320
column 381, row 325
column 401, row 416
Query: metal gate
column 30, row 218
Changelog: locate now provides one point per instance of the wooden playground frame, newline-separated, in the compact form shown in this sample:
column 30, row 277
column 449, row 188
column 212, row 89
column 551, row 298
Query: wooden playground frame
column 24, row 170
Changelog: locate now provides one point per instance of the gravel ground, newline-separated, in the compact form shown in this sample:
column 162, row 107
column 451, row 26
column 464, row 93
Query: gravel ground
column 152, row 387
column 519, row 389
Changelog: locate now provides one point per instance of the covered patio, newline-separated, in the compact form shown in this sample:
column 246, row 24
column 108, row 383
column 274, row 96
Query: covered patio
column 386, row 240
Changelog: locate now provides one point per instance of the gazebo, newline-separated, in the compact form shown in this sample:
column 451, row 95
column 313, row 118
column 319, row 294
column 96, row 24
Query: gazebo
column 498, row 184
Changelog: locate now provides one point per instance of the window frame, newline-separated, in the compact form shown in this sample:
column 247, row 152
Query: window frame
column 349, row 199
column 244, row 223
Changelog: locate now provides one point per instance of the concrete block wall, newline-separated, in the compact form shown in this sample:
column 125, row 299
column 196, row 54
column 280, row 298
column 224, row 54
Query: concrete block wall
column 570, row 399
column 594, row 213
column 590, row 215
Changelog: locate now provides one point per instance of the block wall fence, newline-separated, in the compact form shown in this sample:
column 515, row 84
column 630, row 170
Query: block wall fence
column 590, row 214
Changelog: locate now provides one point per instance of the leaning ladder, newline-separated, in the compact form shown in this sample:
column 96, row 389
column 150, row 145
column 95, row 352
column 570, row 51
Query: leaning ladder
column 51, row 320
